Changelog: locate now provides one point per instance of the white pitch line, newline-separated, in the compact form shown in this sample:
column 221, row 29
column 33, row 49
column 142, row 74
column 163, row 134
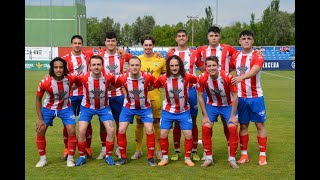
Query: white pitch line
column 279, row 75
column 279, row 100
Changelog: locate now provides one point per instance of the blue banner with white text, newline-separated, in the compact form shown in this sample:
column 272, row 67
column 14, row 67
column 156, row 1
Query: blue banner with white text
column 279, row 65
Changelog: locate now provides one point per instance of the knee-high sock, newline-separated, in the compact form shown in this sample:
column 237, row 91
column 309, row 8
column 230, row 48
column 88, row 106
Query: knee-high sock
column 139, row 136
column 65, row 137
column 103, row 137
column 262, row 141
column 195, row 137
column 244, row 142
column 41, row 145
column 176, row 137
column 233, row 140
column 122, row 144
column 89, row 136
column 156, row 127
column 206, row 140
column 72, row 144
column 150, row 144
column 164, row 144
column 82, row 148
column 109, row 147
column 226, row 133
column 187, row 147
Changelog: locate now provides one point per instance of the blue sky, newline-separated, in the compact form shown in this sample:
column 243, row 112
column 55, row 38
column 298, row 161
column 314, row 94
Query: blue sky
column 174, row 11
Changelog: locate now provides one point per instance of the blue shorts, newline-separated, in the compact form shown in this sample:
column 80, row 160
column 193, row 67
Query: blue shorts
column 116, row 104
column 184, row 120
column 193, row 101
column 214, row 111
column 104, row 114
column 66, row 115
column 127, row 115
column 76, row 102
column 251, row 109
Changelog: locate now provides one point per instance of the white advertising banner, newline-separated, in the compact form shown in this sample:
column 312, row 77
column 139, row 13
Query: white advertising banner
column 40, row 53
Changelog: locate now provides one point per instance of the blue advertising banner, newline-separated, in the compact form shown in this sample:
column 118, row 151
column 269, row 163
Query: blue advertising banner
column 279, row 65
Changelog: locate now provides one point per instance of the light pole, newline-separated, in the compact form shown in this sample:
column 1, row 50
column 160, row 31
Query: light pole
column 50, row 30
column 192, row 18
column 79, row 22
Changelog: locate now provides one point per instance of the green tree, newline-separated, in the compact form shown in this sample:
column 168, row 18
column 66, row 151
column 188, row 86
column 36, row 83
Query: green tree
column 142, row 27
column 127, row 35
column 93, row 32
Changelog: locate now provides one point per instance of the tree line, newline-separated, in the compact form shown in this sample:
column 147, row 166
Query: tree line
column 275, row 28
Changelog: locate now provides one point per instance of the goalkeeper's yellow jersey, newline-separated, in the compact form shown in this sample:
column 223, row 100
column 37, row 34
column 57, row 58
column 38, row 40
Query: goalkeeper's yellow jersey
column 156, row 66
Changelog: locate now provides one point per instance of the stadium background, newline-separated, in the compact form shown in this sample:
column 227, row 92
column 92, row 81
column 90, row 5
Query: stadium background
column 50, row 24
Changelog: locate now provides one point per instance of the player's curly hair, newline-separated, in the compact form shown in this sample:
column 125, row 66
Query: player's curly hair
column 182, row 71
column 65, row 68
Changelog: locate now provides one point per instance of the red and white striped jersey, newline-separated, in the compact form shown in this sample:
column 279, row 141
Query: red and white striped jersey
column 136, row 90
column 222, row 51
column 78, row 65
column 57, row 92
column 242, row 63
column 176, row 93
column 114, row 64
column 189, row 59
column 96, row 90
column 218, row 90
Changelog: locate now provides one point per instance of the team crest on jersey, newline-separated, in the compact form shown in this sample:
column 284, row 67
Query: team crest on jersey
column 150, row 71
column 112, row 67
column 216, row 91
column 156, row 64
column 175, row 91
column 221, row 48
column 61, row 94
column 135, row 92
column 189, row 54
column 242, row 69
column 79, row 69
column 96, row 93
column 221, row 80
column 250, row 58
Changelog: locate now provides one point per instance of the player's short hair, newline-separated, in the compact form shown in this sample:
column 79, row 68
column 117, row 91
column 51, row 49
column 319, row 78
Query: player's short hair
column 182, row 71
column 64, row 62
column 96, row 57
column 76, row 37
column 134, row 57
column 246, row 33
column 143, row 38
column 111, row 35
column 214, row 29
column 181, row 31
column 212, row 58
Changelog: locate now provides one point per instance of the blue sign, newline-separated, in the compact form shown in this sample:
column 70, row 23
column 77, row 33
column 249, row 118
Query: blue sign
column 279, row 65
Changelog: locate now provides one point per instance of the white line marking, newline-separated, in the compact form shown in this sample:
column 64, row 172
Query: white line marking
column 279, row 75
column 279, row 100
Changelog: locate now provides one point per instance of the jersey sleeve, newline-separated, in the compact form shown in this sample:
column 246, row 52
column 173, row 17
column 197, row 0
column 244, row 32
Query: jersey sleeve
column 258, row 59
column 200, row 84
column 42, row 87
column 158, row 82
